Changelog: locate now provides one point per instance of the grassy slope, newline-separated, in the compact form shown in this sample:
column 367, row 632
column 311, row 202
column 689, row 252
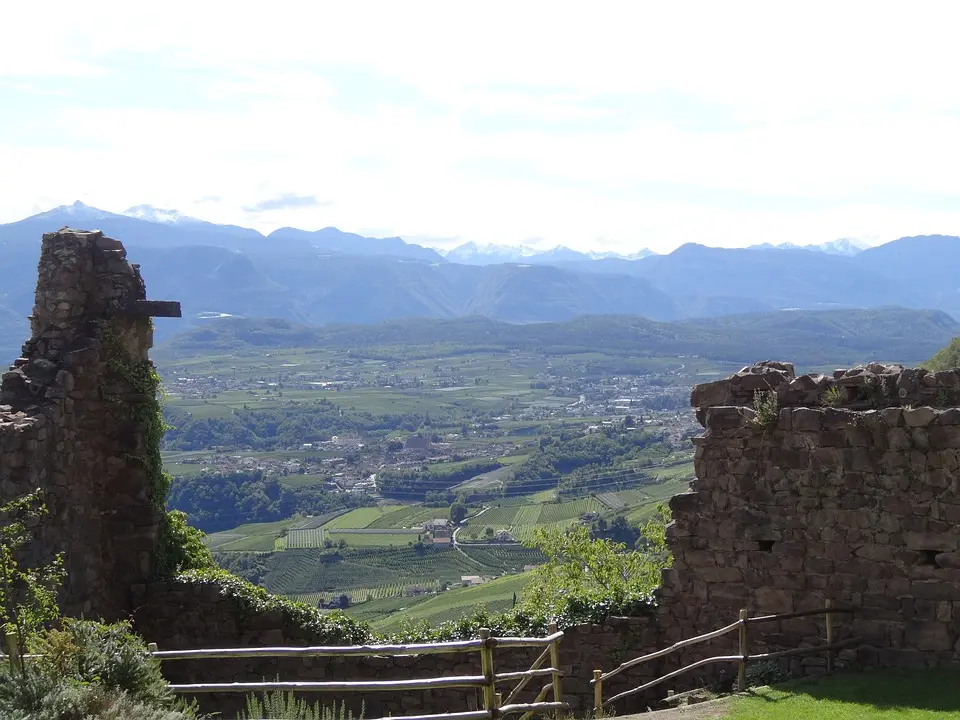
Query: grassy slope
column 496, row 595
column 879, row 695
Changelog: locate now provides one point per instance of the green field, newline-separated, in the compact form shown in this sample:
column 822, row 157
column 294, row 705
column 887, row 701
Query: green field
column 874, row 695
column 521, row 520
column 295, row 572
column 495, row 596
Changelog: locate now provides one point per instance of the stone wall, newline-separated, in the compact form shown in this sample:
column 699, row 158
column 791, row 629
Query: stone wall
column 180, row 615
column 67, row 422
column 843, row 490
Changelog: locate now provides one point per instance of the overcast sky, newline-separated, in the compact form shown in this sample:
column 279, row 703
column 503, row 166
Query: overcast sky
column 607, row 126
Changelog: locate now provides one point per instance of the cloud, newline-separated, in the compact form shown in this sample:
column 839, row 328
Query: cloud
column 287, row 201
column 626, row 125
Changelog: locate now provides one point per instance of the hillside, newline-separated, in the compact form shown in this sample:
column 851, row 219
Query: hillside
column 809, row 338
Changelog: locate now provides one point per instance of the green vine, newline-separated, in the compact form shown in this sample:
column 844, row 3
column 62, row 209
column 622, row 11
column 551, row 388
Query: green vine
column 179, row 546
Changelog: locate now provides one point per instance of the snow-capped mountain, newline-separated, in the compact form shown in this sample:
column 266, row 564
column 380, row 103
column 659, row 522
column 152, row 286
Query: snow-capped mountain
column 158, row 215
column 77, row 210
column 471, row 253
column 844, row 246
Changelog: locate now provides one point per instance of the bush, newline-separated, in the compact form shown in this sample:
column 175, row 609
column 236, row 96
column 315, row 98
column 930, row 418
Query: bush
column 334, row 628
column 180, row 546
column 89, row 671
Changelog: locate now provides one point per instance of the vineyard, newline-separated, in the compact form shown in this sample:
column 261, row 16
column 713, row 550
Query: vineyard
column 312, row 538
column 296, row 572
column 508, row 558
column 495, row 596
column 522, row 520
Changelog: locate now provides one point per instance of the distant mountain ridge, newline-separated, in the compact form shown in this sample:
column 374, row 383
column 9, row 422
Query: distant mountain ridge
column 809, row 338
column 843, row 246
column 330, row 276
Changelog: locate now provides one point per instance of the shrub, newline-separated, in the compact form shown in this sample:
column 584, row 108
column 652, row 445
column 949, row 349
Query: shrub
column 180, row 546
column 89, row 671
column 334, row 628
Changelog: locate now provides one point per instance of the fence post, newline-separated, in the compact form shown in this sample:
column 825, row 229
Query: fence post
column 486, row 665
column 597, row 690
column 555, row 662
column 829, row 636
column 742, row 668
column 13, row 650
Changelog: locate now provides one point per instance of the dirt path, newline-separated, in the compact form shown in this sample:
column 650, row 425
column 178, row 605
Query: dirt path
column 700, row 711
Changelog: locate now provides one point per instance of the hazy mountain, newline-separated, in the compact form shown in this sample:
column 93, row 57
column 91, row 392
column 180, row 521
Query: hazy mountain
column 471, row 253
column 332, row 276
column 843, row 246
column 809, row 338
column 336, row 241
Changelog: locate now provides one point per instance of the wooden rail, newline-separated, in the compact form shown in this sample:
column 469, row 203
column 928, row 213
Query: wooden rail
column 741, row 626
column 485, row 644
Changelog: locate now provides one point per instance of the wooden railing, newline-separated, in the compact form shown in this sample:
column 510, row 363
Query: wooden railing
column 494, row 705
column 742, row 658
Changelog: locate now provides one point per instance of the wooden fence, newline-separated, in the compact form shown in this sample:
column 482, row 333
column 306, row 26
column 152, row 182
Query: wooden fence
column 494, row 704
column 742, row 658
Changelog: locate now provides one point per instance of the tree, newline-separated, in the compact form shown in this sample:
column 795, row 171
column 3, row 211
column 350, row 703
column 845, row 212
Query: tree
column 488, row 532
column 586, row 572
column 458, row 513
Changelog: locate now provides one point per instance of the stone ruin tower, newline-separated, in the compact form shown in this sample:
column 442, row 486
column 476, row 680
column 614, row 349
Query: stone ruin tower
column 78, row 420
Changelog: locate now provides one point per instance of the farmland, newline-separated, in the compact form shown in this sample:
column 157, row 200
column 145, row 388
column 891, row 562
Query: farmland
column 319, row 433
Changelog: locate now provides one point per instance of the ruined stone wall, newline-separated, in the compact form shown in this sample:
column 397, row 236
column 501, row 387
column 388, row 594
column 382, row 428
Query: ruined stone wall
column 846, row 489
column 68, row 421
column 180, row 615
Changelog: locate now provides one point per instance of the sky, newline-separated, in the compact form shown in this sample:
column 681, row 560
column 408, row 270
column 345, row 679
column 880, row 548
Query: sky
column 608, row 126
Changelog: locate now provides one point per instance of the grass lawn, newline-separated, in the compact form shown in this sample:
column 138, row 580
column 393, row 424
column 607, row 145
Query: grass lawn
column 876, row 695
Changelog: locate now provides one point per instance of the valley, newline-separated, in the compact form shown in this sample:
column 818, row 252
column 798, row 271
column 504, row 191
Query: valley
column 402, row 472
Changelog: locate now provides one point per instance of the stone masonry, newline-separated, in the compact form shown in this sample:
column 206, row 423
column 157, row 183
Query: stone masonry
column 67, row 427
column 846, row 488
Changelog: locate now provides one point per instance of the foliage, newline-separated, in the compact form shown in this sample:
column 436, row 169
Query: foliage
column 270, row 429
column 28, row 595
column 89, row 670
column 947, row 358
column 286, row 706
column 618, row 530
column 221, row 501
column 579, row 459
column 582, row 581
column 766, row 408
column 833, row 397
column 582, row 572
column 417, row 483
column 181, row 546
column 326, row 628
column 458, row 513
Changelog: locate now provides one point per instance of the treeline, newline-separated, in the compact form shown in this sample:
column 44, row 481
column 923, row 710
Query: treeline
column 429, row 482
column 260, row 429
column 576, row 463
column 221, row 501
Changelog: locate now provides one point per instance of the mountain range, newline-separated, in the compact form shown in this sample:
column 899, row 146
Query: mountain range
column 329, row 276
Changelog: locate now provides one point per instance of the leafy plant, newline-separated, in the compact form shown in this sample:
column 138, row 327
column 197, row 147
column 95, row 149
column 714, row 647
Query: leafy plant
column 334, row 628
column 833, row 397
column 28, row 595
column 91, row 671
column 766, row 407
column 286, row 706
